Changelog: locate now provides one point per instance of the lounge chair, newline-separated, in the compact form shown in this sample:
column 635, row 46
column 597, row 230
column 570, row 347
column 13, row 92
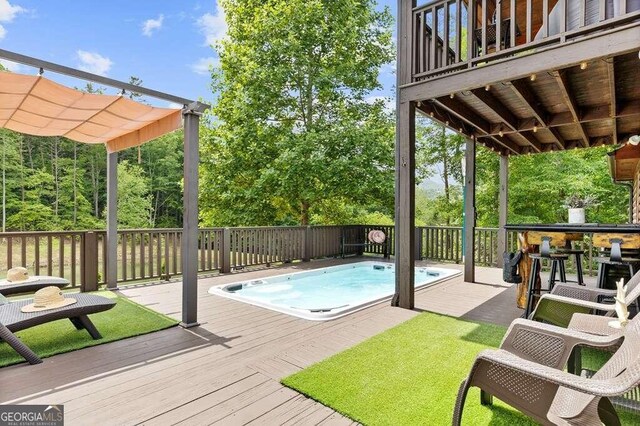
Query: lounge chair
column 526, row 373
column 12, row 319
column 565, row 300
column 36, row 283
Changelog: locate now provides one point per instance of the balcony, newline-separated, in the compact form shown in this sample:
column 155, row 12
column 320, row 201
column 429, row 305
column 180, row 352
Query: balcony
column 454, row 35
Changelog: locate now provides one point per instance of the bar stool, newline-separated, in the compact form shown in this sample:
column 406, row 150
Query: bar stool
column 615, row 259
column 578, row 254
column 557, row 265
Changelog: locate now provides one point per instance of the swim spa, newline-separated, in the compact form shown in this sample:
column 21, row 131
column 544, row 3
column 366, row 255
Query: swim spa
column 326, row 293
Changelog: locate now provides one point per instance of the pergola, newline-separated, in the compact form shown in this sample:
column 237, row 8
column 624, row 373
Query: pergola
column 35, row 105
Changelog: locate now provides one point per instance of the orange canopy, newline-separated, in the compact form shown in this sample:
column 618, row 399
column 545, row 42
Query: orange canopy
column 37, row 106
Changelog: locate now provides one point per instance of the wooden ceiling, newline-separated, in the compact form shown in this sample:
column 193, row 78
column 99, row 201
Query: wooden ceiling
column 592, row 104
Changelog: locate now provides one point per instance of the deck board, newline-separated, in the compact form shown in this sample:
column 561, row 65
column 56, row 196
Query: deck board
column 228, row 369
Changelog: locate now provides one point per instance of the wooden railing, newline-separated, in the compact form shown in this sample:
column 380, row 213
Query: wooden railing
column 452, row 35
column 152, row 254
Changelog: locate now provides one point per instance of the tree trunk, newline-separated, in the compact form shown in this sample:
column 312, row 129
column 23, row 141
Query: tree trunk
column 304, row 213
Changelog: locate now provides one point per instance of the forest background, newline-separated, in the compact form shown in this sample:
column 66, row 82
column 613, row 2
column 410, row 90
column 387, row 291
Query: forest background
column 294, row 137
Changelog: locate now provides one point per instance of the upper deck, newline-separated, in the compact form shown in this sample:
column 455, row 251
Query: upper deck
column 523, row 76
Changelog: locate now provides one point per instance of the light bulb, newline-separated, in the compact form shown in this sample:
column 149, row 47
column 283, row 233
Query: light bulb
column 501, row 133
column 487, row 87
column 583, row 66
column 533, row 77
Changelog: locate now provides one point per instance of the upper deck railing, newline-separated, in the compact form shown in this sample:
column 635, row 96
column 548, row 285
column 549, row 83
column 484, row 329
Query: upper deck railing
column 454, row 35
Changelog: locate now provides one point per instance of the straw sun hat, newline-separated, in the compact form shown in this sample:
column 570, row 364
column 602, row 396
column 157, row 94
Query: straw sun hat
column 48, row 298
column 19, row 275
column 377, row 236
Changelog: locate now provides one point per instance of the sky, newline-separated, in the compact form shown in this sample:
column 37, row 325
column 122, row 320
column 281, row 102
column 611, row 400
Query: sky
column 166, row 43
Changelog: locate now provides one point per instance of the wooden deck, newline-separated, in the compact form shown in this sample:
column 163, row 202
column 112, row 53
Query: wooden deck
column 227, row 371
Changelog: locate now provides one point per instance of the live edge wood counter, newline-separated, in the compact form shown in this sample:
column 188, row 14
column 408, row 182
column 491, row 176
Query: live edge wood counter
column 530, row 235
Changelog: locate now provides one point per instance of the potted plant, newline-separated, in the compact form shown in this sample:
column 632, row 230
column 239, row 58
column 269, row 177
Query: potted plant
column 576, row 205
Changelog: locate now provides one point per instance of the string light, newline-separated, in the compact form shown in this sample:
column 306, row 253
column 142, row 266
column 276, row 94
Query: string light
column 446, row 123
column 453, row 95
column 533, row 77
column 487, row 87
column 583, row 66
column 431, row 113
column 535, row 127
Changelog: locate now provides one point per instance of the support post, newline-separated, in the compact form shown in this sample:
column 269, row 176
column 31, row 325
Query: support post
column 189, row 254
column 89, row 262
column 503, row 208
column 405, row 207
column 470, row 211
column 306, row 257
column 225, row 251
column 405, row 165
column 112, row 221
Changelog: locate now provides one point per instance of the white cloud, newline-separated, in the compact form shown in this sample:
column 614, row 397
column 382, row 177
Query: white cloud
column 94, row 62
column 213, row 26
column 7, row 14
column 11, row 66
column 203, row 65
column 151, row 25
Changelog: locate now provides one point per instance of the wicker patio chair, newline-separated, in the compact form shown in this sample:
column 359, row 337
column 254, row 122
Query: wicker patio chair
column 526, row 373
column 565, row 300
column 12, row 319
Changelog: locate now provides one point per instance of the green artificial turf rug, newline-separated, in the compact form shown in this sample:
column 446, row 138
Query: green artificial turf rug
column 126, row 319
column 409, row 375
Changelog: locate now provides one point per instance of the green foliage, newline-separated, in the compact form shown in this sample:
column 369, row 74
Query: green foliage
column 134, row 201
column 294, row 134
column 439, row 154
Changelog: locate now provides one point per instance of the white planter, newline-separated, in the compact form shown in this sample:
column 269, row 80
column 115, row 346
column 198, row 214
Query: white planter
column 576, row 215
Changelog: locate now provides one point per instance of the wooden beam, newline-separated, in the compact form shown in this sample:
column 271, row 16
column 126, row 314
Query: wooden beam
column 497, row 107
column 464, row 113
column 469, row 211
column 405, row 206
column 613, row 102
column 570, row 100
column 616, row 41
column 557, row 138
column 531, row 140
column 526, row 96
column 503, row 208
column 454, row 123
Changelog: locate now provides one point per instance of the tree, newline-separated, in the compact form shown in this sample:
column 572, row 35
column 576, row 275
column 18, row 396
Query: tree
column 294, row 135
column 134, row 200
column 439, row 153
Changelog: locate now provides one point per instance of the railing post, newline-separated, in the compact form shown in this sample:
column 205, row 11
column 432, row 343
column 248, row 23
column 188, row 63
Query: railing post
column 306, row 256
column 418, row 254
column 225, row 251
column 89, row 259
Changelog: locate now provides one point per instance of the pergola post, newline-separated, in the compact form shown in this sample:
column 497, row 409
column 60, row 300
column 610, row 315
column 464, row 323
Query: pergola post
column 112, row 221
column 503, row 208
column 470, row 211
column 189, row 247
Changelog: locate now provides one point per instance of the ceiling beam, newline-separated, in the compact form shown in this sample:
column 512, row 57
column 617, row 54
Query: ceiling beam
column 465, row 113
column 494, row 104
column 611, row 73
column 487, row 98
column 526, row 96
column 453, row 123
column 531, row 140
column 558, row 139
column 570, row 100
column 524, row 93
